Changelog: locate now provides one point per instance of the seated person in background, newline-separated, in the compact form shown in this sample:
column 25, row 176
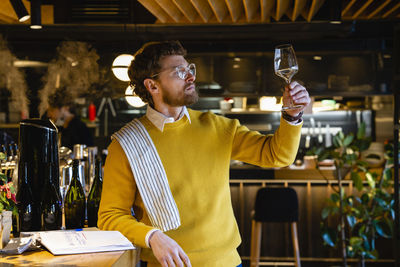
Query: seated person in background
column 73, row 130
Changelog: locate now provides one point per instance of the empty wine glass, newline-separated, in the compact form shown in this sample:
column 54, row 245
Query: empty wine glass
column 285, row 65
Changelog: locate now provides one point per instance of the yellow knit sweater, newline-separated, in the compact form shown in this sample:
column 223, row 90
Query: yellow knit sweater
column 196, row 159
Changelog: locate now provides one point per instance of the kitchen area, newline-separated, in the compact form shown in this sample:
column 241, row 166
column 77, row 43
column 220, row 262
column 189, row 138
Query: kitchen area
column 348, row 55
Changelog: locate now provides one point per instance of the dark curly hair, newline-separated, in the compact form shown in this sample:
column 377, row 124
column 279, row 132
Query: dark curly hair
column 60, row 98
column 146, row 63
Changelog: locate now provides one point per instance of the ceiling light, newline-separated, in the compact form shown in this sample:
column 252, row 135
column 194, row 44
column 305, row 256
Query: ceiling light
column 335, row 16
column 20, row 10
column 317, row 57
column 120, row 67
column 36, row 14
column 132, row 98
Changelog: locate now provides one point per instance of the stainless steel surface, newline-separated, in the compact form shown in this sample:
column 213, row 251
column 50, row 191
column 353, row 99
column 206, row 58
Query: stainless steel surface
column 78, row 151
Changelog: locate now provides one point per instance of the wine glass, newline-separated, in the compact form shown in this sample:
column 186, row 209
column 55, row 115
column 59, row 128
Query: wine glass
column 285, row 65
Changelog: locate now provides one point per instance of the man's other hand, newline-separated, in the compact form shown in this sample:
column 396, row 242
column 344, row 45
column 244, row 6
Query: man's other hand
column 167, row 251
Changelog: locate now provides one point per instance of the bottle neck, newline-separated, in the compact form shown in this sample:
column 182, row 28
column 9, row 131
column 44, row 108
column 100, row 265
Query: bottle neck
column 75, row 172
column 98, row 172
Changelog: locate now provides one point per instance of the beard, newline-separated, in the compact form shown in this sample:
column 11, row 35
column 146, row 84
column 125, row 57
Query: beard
column 183, row 99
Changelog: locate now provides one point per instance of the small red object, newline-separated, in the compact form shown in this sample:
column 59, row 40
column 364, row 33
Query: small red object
column 92, row 112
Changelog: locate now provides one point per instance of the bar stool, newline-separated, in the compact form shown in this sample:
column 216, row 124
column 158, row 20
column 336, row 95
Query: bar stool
column 274, row 204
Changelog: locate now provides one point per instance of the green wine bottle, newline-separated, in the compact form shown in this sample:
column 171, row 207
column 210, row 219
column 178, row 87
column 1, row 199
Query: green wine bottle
column 51, row 202
column 28, row 209
column 75, row 204
column 94, row 197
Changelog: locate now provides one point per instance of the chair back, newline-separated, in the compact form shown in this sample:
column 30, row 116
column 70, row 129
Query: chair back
column 276, row 204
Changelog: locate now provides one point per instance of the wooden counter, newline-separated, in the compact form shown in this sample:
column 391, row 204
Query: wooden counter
column 125, row 258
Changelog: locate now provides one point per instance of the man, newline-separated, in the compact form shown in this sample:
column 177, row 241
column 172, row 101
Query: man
column 195, row 149
column 73, row 130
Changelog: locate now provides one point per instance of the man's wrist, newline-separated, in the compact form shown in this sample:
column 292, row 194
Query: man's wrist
column 149, row 235
column 290, row 118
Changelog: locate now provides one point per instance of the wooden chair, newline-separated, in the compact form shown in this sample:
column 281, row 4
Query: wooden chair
column 274, row 205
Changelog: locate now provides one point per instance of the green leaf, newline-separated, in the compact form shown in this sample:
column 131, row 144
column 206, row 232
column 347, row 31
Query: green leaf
column 364, row 144
column 325, row 212
column 366, row 243
column 337, row 142
column 364, row 198
column 351, row 220
column 370, row 179
column 335, row 210
column 350, row 201
column 356, row 241
column 371, row 254
column 324, row 155
column 361, row 131
column 357, row 180
column 387, row 174
column 3, row 198
column 348, row 139
column 335, row 197
column 372, row 244
column 361, row 230
column 2, row 156
column 350, row 158
column 4, row 178
column 329, row 236
column 381, row 202
column 383, row 229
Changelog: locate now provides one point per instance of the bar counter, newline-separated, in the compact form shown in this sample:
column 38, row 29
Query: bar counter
column 124, row 258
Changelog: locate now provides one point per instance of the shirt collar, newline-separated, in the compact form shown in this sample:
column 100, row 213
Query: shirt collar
column 159, row 119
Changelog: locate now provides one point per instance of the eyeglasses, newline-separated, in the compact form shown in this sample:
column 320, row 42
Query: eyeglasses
column 182, row 72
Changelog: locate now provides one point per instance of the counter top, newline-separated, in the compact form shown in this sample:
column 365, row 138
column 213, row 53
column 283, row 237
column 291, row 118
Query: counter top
column 123, row 258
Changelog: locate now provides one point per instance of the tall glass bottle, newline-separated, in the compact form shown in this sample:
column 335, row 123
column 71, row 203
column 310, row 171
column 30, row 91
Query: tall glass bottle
column 74, row 204
column 51, row 212
column 28, row 210
column 94, row 197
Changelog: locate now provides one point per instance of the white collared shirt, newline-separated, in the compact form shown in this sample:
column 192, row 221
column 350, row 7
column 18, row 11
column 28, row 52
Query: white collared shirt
column 159, row 119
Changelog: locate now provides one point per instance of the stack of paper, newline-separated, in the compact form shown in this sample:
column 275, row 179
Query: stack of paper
column 75, row 242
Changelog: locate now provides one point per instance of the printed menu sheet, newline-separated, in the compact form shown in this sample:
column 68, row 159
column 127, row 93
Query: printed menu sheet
column 75, row 242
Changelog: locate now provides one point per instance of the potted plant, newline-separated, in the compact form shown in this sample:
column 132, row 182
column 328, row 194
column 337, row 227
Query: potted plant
column 353, row 222
column 8, row 206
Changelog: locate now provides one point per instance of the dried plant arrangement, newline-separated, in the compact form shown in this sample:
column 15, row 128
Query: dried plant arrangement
column 75, row 67
column 13, row 79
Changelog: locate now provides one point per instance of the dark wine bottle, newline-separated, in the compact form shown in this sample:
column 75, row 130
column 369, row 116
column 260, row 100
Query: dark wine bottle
column 28, row 210
column 94, row 197
column 75, row 205
column 51, row 202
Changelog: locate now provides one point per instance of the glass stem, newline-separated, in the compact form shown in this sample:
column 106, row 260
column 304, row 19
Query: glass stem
column 290, row 98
